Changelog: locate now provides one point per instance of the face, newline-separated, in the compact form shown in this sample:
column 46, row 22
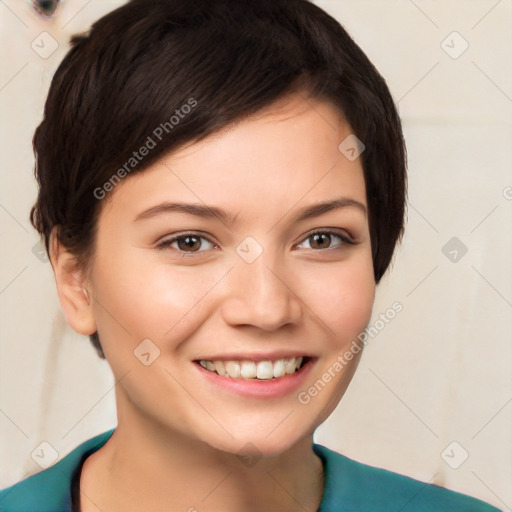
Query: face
column 261, row 289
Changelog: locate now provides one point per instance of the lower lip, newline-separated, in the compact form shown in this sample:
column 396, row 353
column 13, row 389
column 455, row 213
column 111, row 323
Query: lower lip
column 271, row 388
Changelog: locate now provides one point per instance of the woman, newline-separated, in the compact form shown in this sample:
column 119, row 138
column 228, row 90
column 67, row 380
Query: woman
column 222, row 187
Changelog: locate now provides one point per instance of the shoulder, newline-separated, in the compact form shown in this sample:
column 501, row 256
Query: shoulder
column 50, row 489
column 357, row 487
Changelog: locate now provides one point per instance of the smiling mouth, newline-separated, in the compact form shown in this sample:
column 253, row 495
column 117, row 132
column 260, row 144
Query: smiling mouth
column 255, row 370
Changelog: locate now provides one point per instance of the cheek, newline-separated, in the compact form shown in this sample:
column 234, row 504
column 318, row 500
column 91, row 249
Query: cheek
column 137, row 299
column 342, row 296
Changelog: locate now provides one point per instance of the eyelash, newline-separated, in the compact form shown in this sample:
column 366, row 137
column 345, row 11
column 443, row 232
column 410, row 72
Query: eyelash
column 165, row 245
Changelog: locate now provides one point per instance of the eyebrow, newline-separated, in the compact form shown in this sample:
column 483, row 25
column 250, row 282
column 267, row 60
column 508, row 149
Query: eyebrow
column 207, row 212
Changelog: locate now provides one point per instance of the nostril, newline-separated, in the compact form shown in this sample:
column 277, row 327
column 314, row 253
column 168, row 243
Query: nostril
column 46, row 8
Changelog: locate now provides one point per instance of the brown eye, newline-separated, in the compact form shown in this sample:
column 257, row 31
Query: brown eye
column 185, row 244
column 189, row 242
column 320, row 240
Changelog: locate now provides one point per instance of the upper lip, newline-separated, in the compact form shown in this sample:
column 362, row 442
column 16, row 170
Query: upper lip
column 260, row 356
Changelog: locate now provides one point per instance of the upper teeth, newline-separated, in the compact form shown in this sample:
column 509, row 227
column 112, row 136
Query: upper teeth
column 252, row 370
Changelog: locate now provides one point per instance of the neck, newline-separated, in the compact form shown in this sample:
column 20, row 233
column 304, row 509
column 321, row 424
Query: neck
column 145, row 466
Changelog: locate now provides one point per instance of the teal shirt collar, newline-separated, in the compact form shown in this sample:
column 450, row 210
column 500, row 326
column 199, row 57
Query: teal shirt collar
column 350, row 486
column 50, row 490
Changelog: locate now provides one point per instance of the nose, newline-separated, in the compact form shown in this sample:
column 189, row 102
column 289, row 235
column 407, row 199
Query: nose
column 261, row 294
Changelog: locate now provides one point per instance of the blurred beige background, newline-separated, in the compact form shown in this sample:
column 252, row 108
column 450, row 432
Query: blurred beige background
column 433, row 394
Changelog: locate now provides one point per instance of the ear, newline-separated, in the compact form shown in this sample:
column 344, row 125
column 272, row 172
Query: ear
column 72, row 288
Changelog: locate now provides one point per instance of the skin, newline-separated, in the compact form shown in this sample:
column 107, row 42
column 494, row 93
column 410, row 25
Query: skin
column 178, row 439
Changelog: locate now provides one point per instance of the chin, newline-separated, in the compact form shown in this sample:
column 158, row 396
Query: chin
column 259, row 443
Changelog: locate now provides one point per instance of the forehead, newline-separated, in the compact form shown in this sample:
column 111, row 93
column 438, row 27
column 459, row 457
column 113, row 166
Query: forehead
column 284, row 156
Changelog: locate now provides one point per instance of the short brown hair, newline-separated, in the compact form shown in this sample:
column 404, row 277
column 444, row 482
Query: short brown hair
column 141, row 63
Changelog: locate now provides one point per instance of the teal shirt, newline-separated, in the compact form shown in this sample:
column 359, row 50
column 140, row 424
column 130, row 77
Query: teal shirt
column 349, row 487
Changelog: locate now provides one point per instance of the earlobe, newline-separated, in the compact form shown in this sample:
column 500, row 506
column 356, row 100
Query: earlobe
column 75, row 299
